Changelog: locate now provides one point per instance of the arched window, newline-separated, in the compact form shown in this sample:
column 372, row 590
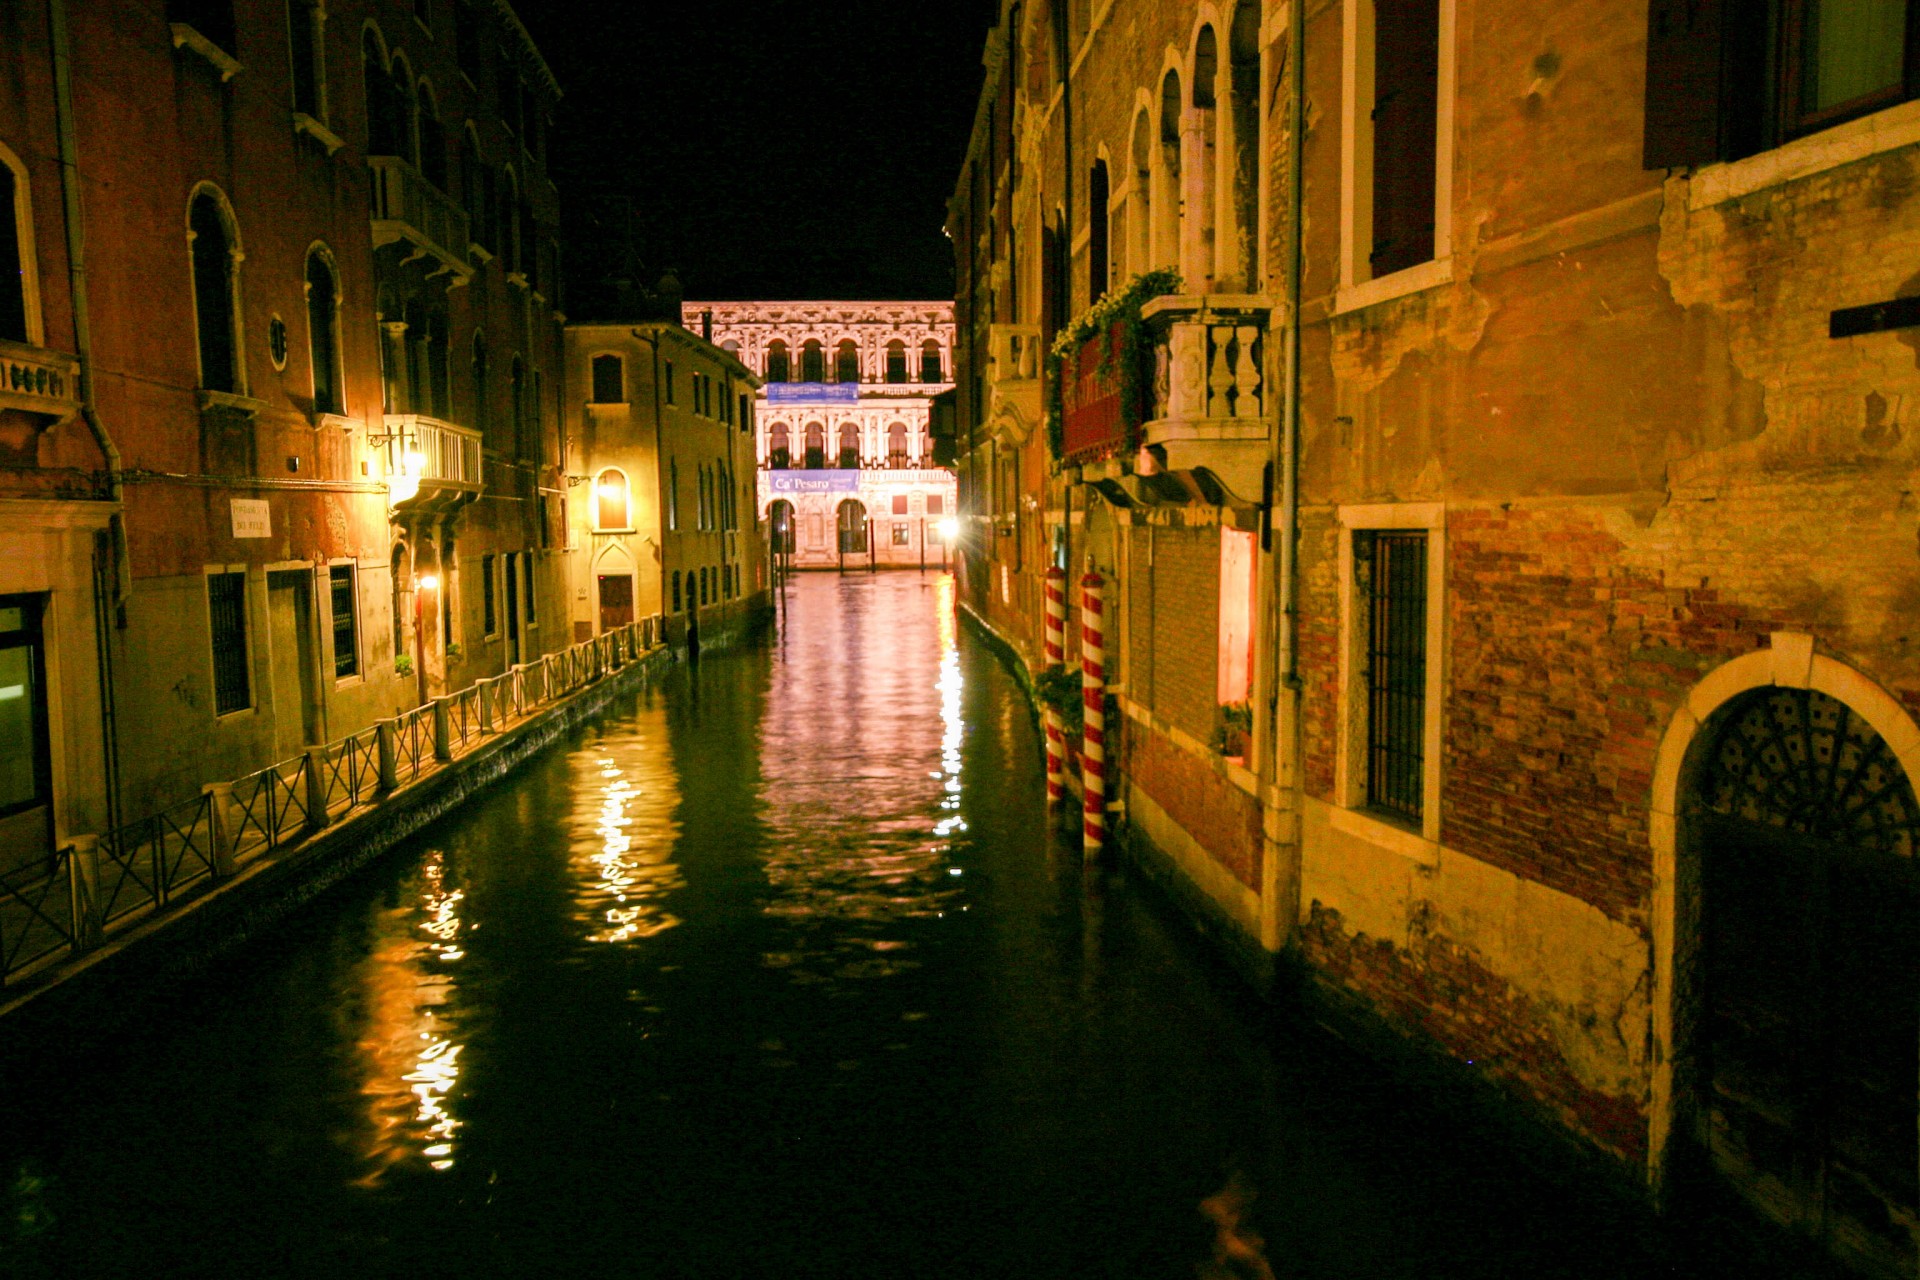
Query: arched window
column 780, row 518
column 609, row 380
column 852, row 528
column 482, row 391
column 849, row 447
column 779, row 456
column 1140, row 213
column 384, row 136
column 215, row 292
column 407, row 109
column 307, row 50
column 433, row 139
column 1097, row 278
column 1243, row 201
column 813, row 361
column 438, row 344
column 323, row 332
column 472, row 195
column 400, row 586
column 896, row 361
column 778, row 369
column 930, row 370
column 507, row 219
column 19, row 303
column 1202, row 236
column 611, row 501
column 1167, row 198
column 846, row 362
column 897, row 446
column 523, row 443
column 816, row 446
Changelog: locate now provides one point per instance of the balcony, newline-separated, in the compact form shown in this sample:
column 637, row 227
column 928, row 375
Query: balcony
column 1207, row 427
column 406, row 207
column 432, row 466
column 1014, row 361
column 45, row 384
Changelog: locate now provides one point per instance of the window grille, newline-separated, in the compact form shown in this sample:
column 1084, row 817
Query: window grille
column 488, row 607
column 346, row 637
column 1391, row 572
column 227, row 614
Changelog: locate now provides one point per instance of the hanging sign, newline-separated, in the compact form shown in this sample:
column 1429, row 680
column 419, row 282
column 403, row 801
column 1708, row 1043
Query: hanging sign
column 251, row 518
column 794, row 483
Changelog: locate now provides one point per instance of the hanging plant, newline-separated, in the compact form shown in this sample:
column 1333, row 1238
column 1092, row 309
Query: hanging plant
column 1117, row 317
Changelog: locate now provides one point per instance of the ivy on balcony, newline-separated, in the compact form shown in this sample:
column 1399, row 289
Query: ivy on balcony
column 1114, row 324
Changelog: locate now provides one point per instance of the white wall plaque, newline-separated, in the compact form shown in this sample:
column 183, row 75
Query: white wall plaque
column 251, row 519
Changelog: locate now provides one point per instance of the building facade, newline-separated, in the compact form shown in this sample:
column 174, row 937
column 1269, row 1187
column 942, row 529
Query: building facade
column 1535, row 390
column 662, row 515
column 282, row 454
column 845, row 447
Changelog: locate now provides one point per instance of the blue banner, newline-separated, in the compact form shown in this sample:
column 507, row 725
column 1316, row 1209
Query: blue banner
column 795, row 483
column 813, row 393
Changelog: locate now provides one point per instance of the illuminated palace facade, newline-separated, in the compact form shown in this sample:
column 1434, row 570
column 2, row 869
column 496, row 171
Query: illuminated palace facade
column 844, row 439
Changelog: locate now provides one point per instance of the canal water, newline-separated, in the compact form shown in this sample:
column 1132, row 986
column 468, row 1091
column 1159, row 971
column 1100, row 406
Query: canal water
column 776, row 971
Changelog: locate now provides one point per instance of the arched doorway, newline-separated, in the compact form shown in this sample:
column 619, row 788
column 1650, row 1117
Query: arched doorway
column 780, row 519
column 1798, row 994
column 853, row 528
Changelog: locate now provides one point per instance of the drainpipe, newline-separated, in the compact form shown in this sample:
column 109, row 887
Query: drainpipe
column 653, row 344
column 83, row 342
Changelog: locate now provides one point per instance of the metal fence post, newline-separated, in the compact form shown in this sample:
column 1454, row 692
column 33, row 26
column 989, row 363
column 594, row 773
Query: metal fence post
column 386, row 738
column 83, row 879
column 316, row 788
column 442, row 731
column 223, row 822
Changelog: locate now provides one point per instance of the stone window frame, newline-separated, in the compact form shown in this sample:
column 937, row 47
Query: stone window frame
column 1350, row 774
column 252, row 586
column 1355, row 290
column 28, row 250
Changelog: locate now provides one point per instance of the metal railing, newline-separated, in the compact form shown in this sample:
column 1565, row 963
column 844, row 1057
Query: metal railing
column 95, row 885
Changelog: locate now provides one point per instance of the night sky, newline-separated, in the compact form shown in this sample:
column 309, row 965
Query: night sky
column 771, row 149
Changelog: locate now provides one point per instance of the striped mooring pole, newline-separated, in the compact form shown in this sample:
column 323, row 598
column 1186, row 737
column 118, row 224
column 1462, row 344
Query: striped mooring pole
column 1093, row 688
column 1056, row 656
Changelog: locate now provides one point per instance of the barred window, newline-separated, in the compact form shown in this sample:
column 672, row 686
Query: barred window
column 346, row 634
column 227, row 614
column 1391, row 577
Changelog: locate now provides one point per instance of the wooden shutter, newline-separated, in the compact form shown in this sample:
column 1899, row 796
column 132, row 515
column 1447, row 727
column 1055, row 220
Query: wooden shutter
column 1685, row 88
column 1406, row 77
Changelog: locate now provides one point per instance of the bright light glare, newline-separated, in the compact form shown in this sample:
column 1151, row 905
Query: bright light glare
column 610, row 491
column 429, row 582
column 416, row 463
column 949, row 529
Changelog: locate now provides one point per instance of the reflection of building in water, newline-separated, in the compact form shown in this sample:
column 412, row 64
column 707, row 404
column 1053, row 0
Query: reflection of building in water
column 623, row 832
column 407, row 1048
column 846, row 449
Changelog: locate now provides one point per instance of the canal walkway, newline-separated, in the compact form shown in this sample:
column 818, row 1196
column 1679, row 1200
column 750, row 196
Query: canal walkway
column 777, row 970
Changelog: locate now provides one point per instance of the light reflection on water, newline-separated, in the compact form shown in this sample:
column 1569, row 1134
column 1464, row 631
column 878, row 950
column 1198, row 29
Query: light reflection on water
column 409, row 1058
column 858, row 842
column 623, row 830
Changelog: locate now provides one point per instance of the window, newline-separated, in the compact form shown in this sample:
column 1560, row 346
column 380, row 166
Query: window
column 214, row 289
column 816, row 446
column 846, row 362
column 743, row 417
column 900, row 504
column 1241, row 258
column 777, row 366
column 1097, row 191
column 897, row 446
column 489, row 603
column 19, row 310
column 433, row 140
column 323, row 333
column 901, row 535
column 482, row 393
column 1730, row 79
column 346, row 631
column 439, row 378
column 609, row 380
column 1141, row 203
column 676, row 591
column 666, row 377
column 1397, row 150
column 466, row 37
column 1168, row 195
column 526, row 579
column 930, row 370
column 704, row 579
column 385, row 136
column 1202, row 211
column 779, row 456
column 611, row 501
column 849, row 447
column 673, row 493
column 936, row 504
column 306, row 49
column 211, row 18
column 26, row 760
column 1237, row 611
column 813, row 362
column 523, row 444
column 1390, row 586
column 449, row 577
column 471, row 198
column 852, row 528
column 896, row 361
column 227, row 618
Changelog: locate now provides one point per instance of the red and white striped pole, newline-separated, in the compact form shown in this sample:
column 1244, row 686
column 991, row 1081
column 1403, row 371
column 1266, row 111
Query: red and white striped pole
column 1093, row 688
column 1056, row 657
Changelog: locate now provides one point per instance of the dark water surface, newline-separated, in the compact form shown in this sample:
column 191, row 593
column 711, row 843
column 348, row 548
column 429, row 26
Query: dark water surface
column 776, row 972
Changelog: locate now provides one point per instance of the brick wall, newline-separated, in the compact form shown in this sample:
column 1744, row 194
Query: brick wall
column 1195, row 794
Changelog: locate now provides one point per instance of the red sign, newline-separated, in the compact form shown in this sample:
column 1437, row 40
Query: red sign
column 1093, row 398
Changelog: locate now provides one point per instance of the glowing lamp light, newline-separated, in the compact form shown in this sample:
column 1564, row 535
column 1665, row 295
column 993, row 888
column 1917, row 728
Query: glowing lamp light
column 949, row 529
column 416, row 463
column 429, row 582
column 609, row 491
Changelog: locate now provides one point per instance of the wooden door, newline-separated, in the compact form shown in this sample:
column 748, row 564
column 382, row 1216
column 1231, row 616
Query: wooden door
column 616, row 601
